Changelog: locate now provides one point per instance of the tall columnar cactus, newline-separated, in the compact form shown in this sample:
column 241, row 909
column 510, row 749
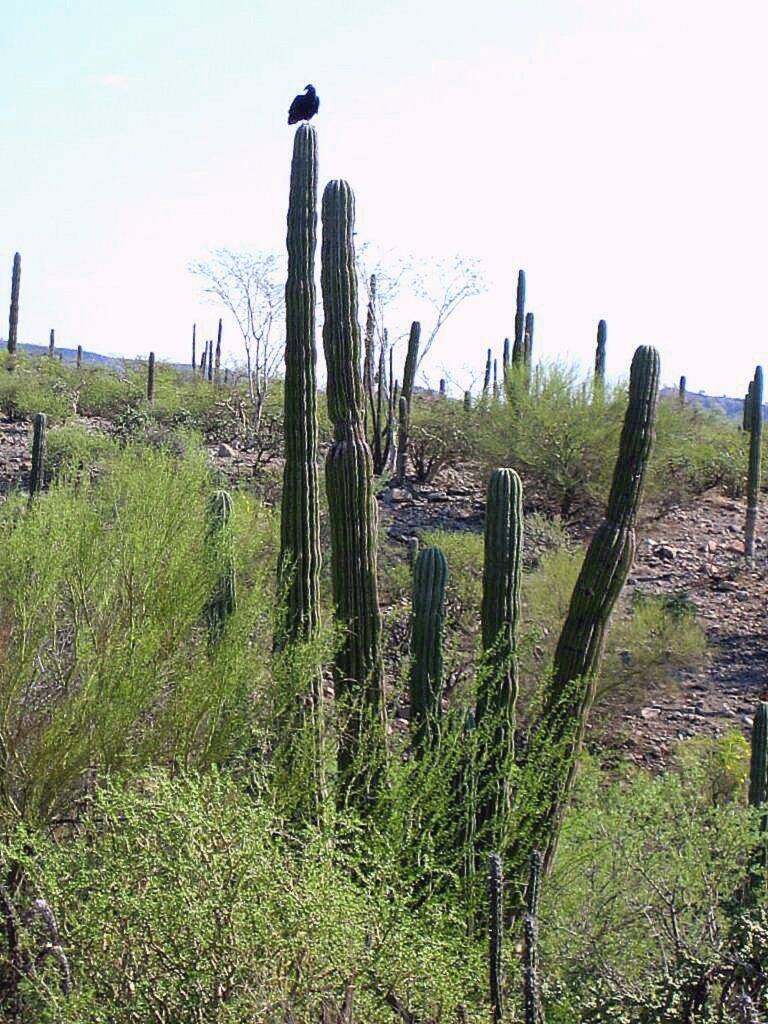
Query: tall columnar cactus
column 358, row 670
column 602, row 337
column 467, row 401
column 520, row 312
column 569, row 693
column 299, row 565
column 758, row 781
column 753, row 475
column 747, row 410
column 495, row 936
column 369, row 352
column 210, row 361
column 151, row 378
column 528, row 341
column 38, row 455
column 51, row 343
column 79, row 357
column 487, row 377
column 403, row 425
column 203, row 358
column 194, row 349
column 217, row 360
column 430, row 573
column 681, row 390
column 505, row 360
column 411, row 361
column 531, row 980
column 495, row 380
column 223, row 600
column 498, row 678
column 13, row 317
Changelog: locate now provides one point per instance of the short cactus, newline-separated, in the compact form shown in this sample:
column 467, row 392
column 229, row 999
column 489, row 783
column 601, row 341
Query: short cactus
column 430, row 573
column 13, row 317
column 467, row 401
column 753, row 475
column 151, row 378
column 358, row 670
column 38, row 455
column 223, row 600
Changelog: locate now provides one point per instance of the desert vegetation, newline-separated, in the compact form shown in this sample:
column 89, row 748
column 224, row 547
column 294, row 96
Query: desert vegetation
column 271, row 751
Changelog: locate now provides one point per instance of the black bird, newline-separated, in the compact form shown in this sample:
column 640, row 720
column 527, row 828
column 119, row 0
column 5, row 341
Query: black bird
column 304, row 106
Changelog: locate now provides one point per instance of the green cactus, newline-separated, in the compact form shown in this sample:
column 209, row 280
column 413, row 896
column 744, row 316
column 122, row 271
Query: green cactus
column 217, row 359
column 151, row 378
column 13, row 317
column 747, row 411
column 487, row 378
column 51, row 343
column 498, row 682
column 602, row 337
column 467, row 401
column 495, row 936
column 358, row 670
column 430, row 573
column 531, row 983
column 569, row 693
column 681, row 390
column 753, row 475
column 403, row 423
column 299, row 563
column 223, row 600
column 528, row 341
column 79, row 357
column 411, row 361
column 194, row 349
column 519, row 343
column 406, row 392
column 36, row 476
column 495, row 380
column 203, row 358
column 505, row 361
column 758, row 793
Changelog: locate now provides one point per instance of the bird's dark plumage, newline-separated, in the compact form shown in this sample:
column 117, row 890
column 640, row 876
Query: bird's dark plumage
column 304, row 106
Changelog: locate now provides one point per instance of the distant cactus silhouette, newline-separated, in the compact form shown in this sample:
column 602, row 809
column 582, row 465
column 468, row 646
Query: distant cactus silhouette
column 528, row 341
column 681, row 390
column 79, row 357
column 755, row 450
column 602, row 337
column 13, row 317
column 51, row 340
column 36, row 476
column 519, row 343
column 151, row 378
column 217, row 359
column 194, row 349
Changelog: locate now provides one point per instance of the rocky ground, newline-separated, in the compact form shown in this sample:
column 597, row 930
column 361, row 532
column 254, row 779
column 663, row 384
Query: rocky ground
column 697, row 552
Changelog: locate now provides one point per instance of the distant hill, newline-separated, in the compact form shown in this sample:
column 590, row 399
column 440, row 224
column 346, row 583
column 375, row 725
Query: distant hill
column 733, row 408
column 70, row 355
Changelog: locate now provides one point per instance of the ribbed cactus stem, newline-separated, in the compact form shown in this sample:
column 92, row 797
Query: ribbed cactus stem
column 403, row 425
column 36, row 476
column 217, row 359
column 681, row 390
column 358, row 670
column 210, row 361
column 203, row 357
column 602, row 338
column 520, row 314
column 495, row 380
column 528, row 340
column 411, row 361
column 51, row 343
column 487, row 377
column 151, row 378
column 495, row 936
column 13, row 316
column 430, row 573
column 223, row 600
column 753, row 474
column 299, row 564
column 758, row 784
column 531, row 980
column 498, row 682
column 79, row 357
column 569, row 694
column 369, row 352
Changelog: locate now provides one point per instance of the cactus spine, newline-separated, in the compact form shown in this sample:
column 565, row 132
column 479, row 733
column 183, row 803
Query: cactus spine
column 495, row 936
column 223, row 601
column 13, row 316
column 299, row 565
column 151, row 378
column 500, row 612
column 38, row 455
column 753, row 475
column 568, row 696
column 426, row 683
column 51, row 343
column 602, row 337
column 358, row 670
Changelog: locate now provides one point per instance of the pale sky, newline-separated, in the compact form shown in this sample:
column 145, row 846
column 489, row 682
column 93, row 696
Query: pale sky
column 615, row 149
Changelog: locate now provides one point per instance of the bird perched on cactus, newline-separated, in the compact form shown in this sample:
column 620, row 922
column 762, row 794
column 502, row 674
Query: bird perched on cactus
column 304, row 106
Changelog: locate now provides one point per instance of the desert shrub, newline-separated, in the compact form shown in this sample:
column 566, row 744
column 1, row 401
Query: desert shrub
column 187, row 900
column 438, row 436
column 644, row 899
column 106, row 661
column 35, row 385
column 75, row 446
column 105, row 391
